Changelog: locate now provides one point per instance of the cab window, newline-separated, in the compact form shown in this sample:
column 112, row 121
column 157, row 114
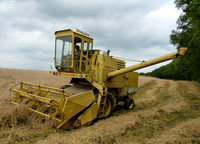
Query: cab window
column 77, row 52
column 90, row 50
column 85, row 45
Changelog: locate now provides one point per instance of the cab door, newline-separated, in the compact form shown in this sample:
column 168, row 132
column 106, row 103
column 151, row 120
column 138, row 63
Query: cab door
column 82, row 56
column 85, row 60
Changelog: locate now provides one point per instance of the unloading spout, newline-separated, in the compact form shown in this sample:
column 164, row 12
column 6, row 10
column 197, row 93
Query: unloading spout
column 181, row 51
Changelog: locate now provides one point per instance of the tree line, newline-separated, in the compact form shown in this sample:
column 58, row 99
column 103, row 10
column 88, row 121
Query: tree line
column 187, row 34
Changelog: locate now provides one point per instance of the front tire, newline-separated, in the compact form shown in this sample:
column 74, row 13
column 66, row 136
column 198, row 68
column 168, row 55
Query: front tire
column 108, row 109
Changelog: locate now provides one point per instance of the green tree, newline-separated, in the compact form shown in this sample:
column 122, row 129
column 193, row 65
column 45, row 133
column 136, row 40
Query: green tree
column 187, row 34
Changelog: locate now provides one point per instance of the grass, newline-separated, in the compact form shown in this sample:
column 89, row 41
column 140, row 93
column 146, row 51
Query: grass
column 162, row 96
column 192, row 99
column 149, row 127
column 35, row 138
column 143, row 90
column 166, row 112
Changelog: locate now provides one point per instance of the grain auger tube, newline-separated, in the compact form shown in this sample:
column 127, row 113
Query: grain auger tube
column 181, row 51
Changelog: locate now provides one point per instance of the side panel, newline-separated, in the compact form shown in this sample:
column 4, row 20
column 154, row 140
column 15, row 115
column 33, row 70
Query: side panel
column 116, row 82
column 88, row 116
column 133, row 79
column 78, row 102
column 104, row 64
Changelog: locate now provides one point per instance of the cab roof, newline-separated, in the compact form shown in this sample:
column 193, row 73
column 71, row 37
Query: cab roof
column 75, row 31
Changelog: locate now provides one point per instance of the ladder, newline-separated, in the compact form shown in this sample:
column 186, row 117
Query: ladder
column 102, row 96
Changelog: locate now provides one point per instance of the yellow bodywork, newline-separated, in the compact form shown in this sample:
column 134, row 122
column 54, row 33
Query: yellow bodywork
column 133, row 79
column 56, row 104
column 143, row 64
column 107, row 78
column 83, row 57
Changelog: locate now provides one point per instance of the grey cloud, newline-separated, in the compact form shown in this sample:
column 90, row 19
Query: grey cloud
column 89, row 8
column 128, row 28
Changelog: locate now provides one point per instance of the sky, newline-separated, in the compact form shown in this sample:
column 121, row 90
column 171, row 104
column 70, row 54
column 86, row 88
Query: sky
column 131, row 29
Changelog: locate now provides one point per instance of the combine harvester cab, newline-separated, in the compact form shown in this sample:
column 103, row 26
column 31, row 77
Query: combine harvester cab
column 56, row 104
column 98, row 82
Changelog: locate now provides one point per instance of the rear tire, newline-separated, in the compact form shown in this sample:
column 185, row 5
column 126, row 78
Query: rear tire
column 129, row 103
column 108, row 109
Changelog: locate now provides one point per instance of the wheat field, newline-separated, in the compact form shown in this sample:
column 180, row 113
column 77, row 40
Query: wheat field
column 166, row 111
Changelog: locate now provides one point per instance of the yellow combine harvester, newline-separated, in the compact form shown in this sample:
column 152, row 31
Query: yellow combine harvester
column 98, row 82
